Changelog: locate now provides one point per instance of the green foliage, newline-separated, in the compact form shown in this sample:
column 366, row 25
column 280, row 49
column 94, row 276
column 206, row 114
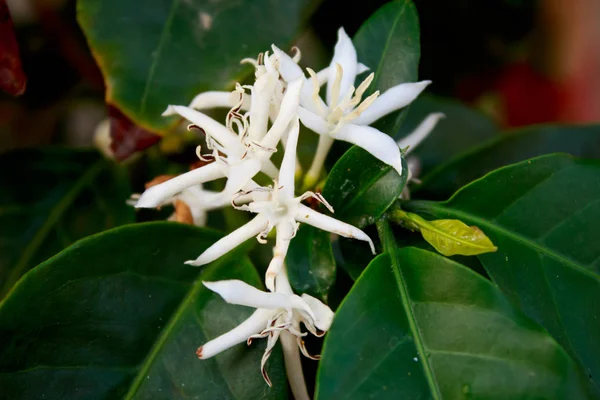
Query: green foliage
column 540, row 213
column 49, row 198
column 153, row 53
column 118, row 315
column 388, row 43
column 417, row 325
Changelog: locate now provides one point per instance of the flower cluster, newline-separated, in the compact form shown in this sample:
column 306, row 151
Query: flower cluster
column 261, row 116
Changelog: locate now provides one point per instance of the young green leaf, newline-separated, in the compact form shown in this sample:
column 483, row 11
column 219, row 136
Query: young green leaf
column 448, row 236
column 55, row 197
column 541, row 214
column 418, row 325
column 118, row 315
column 153, row 53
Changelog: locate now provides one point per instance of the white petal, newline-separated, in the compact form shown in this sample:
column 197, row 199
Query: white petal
column 268, row 168
column 240, row 173
column 323, row 314
column 215, row 99
column 156, row 195
column 219, row 132
column 374, row 141
column 420, row 133
column 393, row 99
column 287, row 172
column 285, row 232
column 313, row 122
column 262, row 92
column 231, row 241
column 288, row 110
column 288, row 69
column 293, row 366
column 311, row 217
column 238, row 292
column 253, row 325
column 344, row 54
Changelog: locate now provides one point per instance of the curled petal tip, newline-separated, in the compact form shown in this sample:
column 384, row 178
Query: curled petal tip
column 169, row 111
column 193, row 263
column 199, row 352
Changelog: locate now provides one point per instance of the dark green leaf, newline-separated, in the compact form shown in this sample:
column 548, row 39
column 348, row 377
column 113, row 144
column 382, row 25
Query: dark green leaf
column 49, row 199
column 417, row 325
column 510, row 148
column 360, row 187
column 542, row 214
column 461, row 129
column 352, row 256
column 118, row 315
column 311, row 267
column 159, row 52
column 388, row 43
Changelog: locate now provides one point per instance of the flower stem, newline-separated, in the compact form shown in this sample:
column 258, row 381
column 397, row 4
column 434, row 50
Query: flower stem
column 313, row 174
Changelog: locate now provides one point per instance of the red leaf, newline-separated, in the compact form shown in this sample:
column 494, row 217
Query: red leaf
column 127, row 137
column 12, row 77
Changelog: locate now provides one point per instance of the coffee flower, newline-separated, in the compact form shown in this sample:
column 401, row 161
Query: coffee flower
column 237, row 157
column 277, row 207
column 345, row 115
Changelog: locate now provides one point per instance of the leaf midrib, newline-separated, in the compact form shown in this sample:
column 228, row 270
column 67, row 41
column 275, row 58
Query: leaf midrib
column 53, row 217
column 389, row 245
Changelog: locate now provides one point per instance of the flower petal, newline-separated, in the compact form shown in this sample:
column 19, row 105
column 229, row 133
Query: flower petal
column 311, row 217
column 285, row 232
column 287, row 172
column 344, row 54
column 293, row 366
column 269, row 169
column 231, row 241
column 254, row 324
column 288, row 110
column 215, row 99
column 238, row 292
column 240, row 173
column 323, row 74
column 420, row 133
column 313, row 121
column 262, row 92
column 158, row 194
column 374, row 141
column 219, row 132
column 323, row 314
column 393, row 99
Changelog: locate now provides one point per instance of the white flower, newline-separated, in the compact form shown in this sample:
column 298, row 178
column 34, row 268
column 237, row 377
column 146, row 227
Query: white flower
column 237, row 157
column 277, row 315
column 278, row 207
column 345, row 116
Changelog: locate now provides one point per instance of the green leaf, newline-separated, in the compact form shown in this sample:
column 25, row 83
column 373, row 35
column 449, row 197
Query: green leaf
column 310, row 263
column 50, row 198
column 153, row 53
column 460, row 130
column 118, row 315
column 448, row 236
column 542, row 214
column 582, row 141
column 418, row 325
column 388, row 43
column 361, row 188
column 352, row 256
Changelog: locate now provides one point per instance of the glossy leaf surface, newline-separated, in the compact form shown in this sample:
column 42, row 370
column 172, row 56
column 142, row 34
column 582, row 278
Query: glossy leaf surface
column 360, row 188
column 310, row 263
column 153, row 53
column 388, row 43
column 417, row 325
column 51, row 198
column 542, row 215
column 510, row 148
column 118, row 315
